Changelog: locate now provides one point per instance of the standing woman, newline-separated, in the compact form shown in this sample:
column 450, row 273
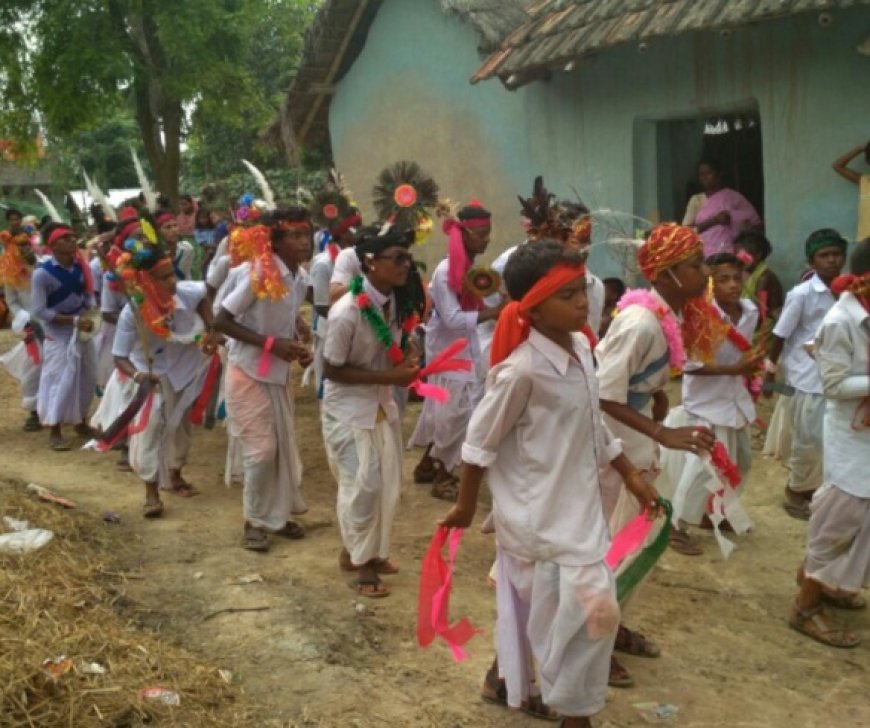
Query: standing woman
column 723, row 212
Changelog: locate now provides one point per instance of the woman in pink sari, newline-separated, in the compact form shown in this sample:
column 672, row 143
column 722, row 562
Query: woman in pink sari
column 723, row 212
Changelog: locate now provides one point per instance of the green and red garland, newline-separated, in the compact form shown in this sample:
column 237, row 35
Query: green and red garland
column 395, row 352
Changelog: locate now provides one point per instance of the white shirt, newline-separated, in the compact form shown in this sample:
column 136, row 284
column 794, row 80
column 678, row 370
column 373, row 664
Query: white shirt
column 723, row 400
column 320, row 276
column 218, row 270
column 177, row 361
column 350, row 341
column 448, row 323
column 347, row 266
column 805, row 307
column 183, row 259
column 538, row 430
column 229, row 283
column 266, row 317
column 841, row 352
column 97, row 274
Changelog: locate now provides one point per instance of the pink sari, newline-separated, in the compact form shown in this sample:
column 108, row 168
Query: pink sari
column 720, row 238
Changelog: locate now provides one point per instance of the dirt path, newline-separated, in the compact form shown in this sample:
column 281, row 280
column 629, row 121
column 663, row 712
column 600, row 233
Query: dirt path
column 311, row 659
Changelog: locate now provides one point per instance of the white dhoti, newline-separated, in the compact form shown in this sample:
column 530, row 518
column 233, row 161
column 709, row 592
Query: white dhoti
column 367, row 465
column 687, row 480
column 565, row 617
column 262, row 420
column 838, row 540
column 66, row 383
column 105, row 361
column 805, row 461
column 17, row 363
column 444, row 425
column 164, row 443
column 777, row 441
column 119, row 392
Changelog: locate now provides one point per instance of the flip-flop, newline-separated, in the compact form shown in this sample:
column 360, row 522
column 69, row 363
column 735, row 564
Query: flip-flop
column 291, row 530
column 185, row 490
column 684, row 543
column 370, row 589
column 635, row 644
column 801, row 511
column 152, row 510
column 447, row 490
column 384, row 567
column 60, row 445
column 619, row 677
column 255, row 539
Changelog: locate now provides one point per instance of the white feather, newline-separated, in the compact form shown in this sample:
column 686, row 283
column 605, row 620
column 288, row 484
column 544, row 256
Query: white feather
column 99, row 198
column 47, row 204
column 268, row 195
column 147, row 190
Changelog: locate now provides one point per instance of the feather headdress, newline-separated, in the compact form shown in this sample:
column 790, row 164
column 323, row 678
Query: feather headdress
column 99, row 198
column 47, row 204
column 147, row 190
column 403, row 194
column 263, row 183
column 332, row 207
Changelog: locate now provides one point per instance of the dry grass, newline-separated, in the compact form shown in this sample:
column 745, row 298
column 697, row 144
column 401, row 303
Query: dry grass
column 66, row 599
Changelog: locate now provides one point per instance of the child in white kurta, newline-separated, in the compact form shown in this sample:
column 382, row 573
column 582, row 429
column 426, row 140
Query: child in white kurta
column 837, row 563
column 360, row 414
column 24, row 361
column 61, row 301
column 539, row 436
column 260, row 315
column 716, row 397
column 805, row 308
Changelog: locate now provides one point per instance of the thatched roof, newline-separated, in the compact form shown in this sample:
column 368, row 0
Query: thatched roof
column 335, row 40
column 557, row 32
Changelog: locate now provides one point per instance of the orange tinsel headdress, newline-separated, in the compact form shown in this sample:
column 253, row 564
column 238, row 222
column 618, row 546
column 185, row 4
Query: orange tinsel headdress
column 14, row 271
column 265, row 277
column 138, row 267
column 668, row 244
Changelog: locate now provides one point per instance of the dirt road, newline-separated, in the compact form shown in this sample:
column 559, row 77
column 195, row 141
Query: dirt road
column 312, row 659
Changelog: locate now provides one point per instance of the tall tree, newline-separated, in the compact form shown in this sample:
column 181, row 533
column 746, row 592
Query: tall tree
column 71, row 64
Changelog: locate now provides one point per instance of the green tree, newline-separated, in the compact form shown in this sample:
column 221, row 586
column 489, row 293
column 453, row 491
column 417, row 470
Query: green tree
column 69, row 65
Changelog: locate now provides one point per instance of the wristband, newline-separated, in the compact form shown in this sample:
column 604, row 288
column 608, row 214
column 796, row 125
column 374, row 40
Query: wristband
column 770, row 367
column 266, row 359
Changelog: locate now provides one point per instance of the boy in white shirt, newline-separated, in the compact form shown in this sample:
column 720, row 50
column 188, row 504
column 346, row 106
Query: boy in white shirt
column 716, row 397
column 367, row 355
column 837, row 563
column 173, row 316
column 456, row 314
column 805, row 308
column 261, row 315
column 539, row 435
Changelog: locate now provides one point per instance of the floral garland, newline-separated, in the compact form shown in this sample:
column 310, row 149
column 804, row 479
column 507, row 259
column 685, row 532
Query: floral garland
column 667, row 320
column 395, row 352
column 14, row 270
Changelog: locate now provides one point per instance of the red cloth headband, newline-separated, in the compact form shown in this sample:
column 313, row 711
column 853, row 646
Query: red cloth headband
column 57, row 234
column 667, row 245
column 513, row 324
column 301, row 225
column 163, row 218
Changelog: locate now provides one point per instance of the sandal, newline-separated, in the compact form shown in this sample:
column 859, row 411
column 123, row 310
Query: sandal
column 184, row 489
column 635, row 644
column 423, row 475
column 619, row 677
column 31, row 424
column 291, row 530
column 59, row 445
column 152, row 510
column 796, row 505
column 844, row 601
column 447, row 490
column 818, row 625
column 383, row 567
column 255, row 539
column 684, row 543
column 537, row 708
column 370, row 589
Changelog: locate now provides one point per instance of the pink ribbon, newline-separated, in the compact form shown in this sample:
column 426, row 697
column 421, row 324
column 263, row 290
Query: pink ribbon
column 629, row 539
column 443, row 362
column 436, row 579
column 266, row 358
column 30, row 345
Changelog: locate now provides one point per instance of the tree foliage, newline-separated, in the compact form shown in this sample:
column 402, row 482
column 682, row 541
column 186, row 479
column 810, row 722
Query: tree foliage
column 71, row 66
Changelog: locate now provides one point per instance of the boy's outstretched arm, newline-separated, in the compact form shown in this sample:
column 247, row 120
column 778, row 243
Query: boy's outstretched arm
column 462, row 514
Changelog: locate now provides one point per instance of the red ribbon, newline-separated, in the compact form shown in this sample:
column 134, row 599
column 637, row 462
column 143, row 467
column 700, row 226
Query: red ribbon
column 30, row 345
column 436, row 579
column 197, row 413
column 266, row 357
column 443, row 362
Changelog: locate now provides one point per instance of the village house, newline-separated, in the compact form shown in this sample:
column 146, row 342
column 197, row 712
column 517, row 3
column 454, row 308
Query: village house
column 613, row 101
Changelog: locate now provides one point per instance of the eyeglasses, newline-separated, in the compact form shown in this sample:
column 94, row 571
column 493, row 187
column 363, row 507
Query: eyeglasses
column 398, row 258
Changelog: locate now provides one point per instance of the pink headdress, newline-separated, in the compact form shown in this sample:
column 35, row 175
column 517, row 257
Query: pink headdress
column 473, row 215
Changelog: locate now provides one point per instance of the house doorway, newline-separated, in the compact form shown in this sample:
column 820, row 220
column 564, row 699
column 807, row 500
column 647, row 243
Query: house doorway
column 733, row 139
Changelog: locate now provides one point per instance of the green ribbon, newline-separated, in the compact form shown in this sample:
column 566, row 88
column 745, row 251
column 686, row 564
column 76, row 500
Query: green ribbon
column 647, row 558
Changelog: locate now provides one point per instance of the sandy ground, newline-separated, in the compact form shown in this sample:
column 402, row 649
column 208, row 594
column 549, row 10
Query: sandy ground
column 311, row 659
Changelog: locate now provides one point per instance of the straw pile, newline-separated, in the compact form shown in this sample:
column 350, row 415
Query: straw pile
column 64, row 600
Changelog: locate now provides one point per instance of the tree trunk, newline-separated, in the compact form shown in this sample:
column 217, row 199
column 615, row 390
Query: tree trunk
column 161, row 136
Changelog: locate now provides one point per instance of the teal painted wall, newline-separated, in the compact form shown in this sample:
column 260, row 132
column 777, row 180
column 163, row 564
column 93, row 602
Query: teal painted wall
column 593, row 129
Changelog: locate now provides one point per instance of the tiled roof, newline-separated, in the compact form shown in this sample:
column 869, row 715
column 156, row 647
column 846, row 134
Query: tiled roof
column 557, row 32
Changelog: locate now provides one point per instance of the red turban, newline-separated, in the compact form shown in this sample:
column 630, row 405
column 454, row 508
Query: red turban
column 667, row 245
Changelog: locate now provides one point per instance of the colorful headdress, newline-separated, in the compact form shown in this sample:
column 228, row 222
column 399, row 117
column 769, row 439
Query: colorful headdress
column 14, row 270
column 668, row 244
column 403, row 195
column 136, row 267
column 544, row 218
column 472, row 216
column 266, row 279
column 249, row 210
column 333, row 210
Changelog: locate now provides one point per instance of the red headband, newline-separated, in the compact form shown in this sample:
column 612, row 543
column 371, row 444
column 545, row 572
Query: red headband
column 343, row 226
column 299, row 225
column 124, row 231
column 667, row 245
column 57, row 234
column 513, row 324
column 163, row 218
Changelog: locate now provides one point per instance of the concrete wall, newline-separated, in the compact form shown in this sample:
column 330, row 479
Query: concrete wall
column 594, row 129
